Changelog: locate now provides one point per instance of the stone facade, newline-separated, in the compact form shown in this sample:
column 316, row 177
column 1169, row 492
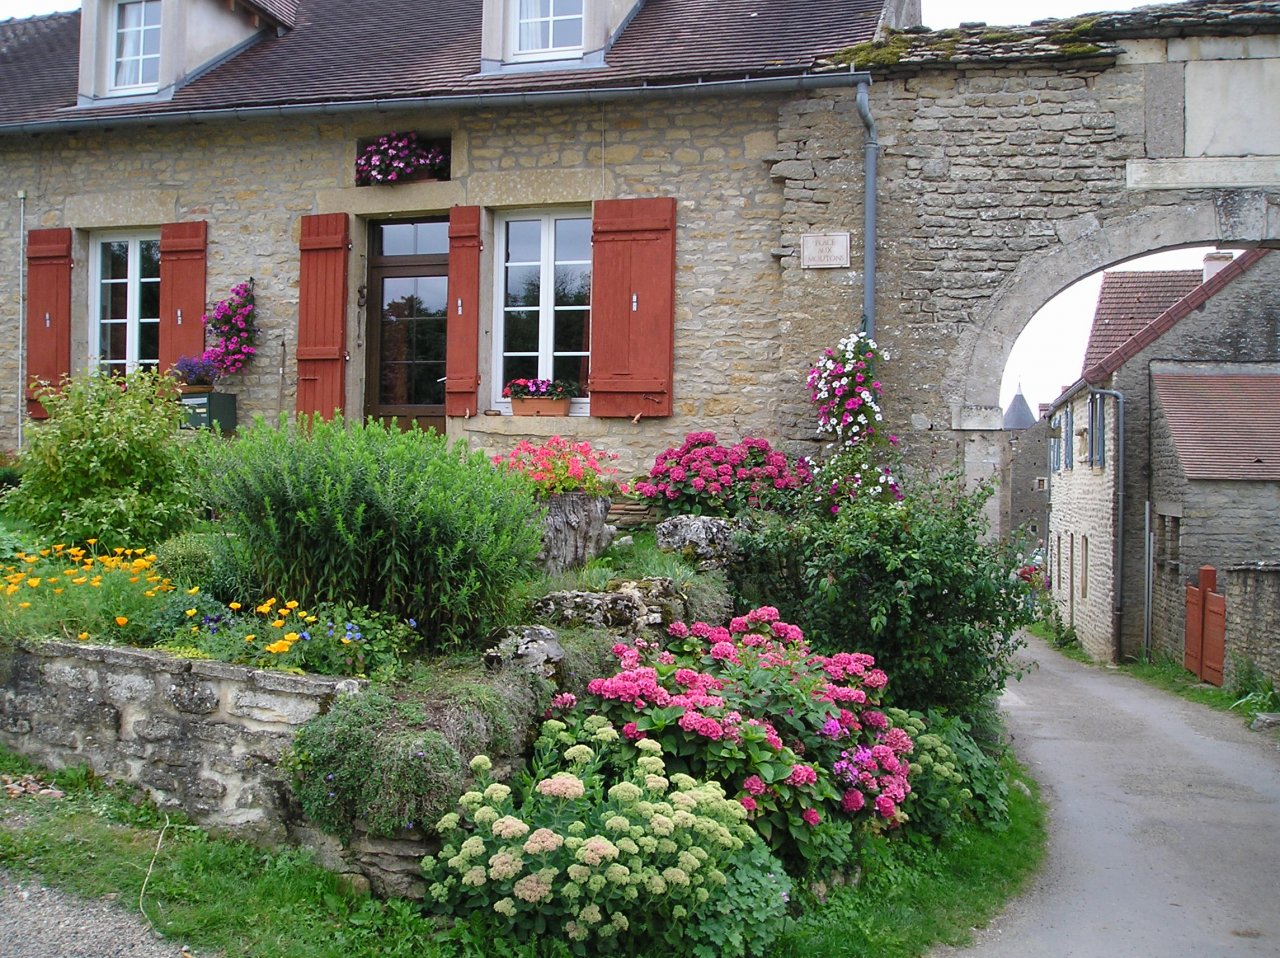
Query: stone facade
column 1027, row 483
column 1082, row 530
column 1000, row 184
column 1219, row 523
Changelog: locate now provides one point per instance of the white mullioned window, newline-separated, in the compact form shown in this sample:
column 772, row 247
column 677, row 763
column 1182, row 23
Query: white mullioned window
column 542, row 299
column 136, row 45
column 546, row 29
column 124, row 301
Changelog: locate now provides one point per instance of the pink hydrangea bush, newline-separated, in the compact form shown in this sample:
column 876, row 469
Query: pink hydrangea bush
column 799, row 738
column 703, row 477
column 601, row 846
column 561, row 465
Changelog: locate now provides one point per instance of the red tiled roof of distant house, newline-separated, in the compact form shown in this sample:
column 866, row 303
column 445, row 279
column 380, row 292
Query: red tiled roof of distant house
column 1128, row 301
column 1224, row 426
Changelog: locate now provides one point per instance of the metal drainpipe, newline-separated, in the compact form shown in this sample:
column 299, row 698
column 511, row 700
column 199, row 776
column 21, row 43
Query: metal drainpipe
column 870, row 163
column 22, row 311
column 1117, row 603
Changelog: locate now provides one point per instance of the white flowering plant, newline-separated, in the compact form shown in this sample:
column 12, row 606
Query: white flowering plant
column 844, row 389
column 596, row 846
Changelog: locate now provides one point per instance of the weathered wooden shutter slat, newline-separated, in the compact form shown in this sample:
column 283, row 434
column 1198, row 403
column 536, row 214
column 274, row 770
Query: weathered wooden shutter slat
column 183, row 249
column 48, row 311
column 633, row 307
column 462, row 352
column 322, row 313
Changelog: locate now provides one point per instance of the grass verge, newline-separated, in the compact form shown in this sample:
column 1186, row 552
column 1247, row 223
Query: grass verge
column 1168, row 674
column 227, row 897
column 915, row 895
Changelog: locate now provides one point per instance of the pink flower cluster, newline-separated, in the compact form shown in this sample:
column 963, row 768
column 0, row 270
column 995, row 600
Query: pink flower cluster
column 560, row 465
column 702, row 475
column 845, row 392
column 876, row 773
column 397, row 156
column 233, row 329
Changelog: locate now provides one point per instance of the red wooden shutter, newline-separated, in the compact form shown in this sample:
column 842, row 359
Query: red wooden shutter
column 48, row 310
column 462, row 354
column 322, row 313
column 633, row 280
column 182, row 290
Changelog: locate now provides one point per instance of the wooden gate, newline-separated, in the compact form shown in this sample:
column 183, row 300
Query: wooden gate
column 1206, row 635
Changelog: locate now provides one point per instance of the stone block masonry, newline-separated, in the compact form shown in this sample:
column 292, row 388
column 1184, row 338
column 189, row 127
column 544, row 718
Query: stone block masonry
column 205, row 738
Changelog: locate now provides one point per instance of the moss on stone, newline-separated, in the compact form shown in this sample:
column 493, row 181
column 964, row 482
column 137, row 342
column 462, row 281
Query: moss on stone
column 1079, row 49
column 997, row 36
column 876, row 53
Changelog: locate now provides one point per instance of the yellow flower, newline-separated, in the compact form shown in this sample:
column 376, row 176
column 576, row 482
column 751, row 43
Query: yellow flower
column 311, row 619
column 278, row 624
column 92, row 542
column 134, row 579
column 30, row 560
column 277, row 647
column 118, row 550
column 33, row 582
column 82, row 636
column 122, row 620
column 190, row 613
column 150, row 593
column 291, row 637
column 57, row 591
column 283, row 612
column 233, row 606
column 68, row 571
column 79, row 580
column 45, row 553
column 11, row 590
column 24, row 605
column 193, row 590
column 250, row 638
column 346, row 641
column 292, row 603
column 195, row 628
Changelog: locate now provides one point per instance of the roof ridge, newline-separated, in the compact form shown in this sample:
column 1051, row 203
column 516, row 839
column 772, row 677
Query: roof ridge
column 1171, row 316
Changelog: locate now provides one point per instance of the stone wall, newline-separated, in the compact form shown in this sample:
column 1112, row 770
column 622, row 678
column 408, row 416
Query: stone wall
column 201, row 737
column 1253, row 618
column 1028, row 482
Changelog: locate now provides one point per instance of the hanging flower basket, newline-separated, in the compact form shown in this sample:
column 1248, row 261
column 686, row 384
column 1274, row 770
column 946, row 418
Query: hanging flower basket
column 400, row 158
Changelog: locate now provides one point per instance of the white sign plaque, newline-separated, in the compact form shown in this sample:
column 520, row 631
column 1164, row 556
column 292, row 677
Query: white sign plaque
column 824, row 250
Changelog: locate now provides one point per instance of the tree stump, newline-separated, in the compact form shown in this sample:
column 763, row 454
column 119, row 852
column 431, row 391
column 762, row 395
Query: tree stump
column 576, row 530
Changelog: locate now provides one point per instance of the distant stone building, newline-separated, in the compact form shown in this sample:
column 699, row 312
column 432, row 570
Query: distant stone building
column 1024, row 491
column 1133, row 514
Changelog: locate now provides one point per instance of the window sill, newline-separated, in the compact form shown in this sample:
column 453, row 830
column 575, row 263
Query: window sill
column 579, row 426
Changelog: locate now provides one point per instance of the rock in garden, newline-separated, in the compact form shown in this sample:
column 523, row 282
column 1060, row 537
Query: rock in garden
column 1265, row 720
column 532, row 647
column 705, row 539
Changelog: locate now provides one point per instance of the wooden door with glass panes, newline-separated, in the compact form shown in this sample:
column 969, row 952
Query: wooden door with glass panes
column 406, row 301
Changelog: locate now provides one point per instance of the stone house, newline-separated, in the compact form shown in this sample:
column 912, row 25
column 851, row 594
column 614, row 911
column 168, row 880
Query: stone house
column 605, row 210
column 1024, row 479
column 1133, row 515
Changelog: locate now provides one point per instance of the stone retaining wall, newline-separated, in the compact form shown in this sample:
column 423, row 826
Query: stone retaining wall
column 202, row 737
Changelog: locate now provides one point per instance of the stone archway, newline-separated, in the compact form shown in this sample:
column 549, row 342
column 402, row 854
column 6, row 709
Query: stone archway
column 1229, row 218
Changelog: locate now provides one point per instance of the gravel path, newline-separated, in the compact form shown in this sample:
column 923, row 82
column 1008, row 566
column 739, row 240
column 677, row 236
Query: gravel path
column 41, row 922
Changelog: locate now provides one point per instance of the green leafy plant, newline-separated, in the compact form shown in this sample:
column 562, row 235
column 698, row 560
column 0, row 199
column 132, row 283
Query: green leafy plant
column 218, row 563
column 108, row 464
column 397, row 521
column 598, row 847
column 911, row 582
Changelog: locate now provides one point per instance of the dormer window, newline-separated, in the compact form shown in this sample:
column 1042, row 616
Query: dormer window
column 547, row 29
column 136, row 64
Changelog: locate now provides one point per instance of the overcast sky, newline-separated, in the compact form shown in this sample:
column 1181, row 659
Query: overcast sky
column 1048, row 355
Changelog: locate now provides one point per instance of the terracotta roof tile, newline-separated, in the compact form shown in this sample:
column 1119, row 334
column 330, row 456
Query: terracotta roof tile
column 38, row 65
column 1224, row 426
column 1200, row 294
column 1128, row 301
column 340, row 50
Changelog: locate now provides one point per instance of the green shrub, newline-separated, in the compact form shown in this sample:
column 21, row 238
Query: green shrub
column 397, row 521
column 107, row 464
column 597, row 847
column 910, row 582
column 218, row 563
column 357, row 762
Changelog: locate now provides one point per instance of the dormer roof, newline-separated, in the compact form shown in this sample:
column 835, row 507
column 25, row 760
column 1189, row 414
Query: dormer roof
column 339, row 51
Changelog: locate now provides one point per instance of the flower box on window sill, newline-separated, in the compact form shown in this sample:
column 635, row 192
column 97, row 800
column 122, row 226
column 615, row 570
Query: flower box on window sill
column 529, row 406
column 406, row 157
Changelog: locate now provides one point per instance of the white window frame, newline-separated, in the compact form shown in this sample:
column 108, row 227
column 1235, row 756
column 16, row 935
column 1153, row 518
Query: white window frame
column 115, row 58
column 133, row 297
column 521, row 55
column 546, row 347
